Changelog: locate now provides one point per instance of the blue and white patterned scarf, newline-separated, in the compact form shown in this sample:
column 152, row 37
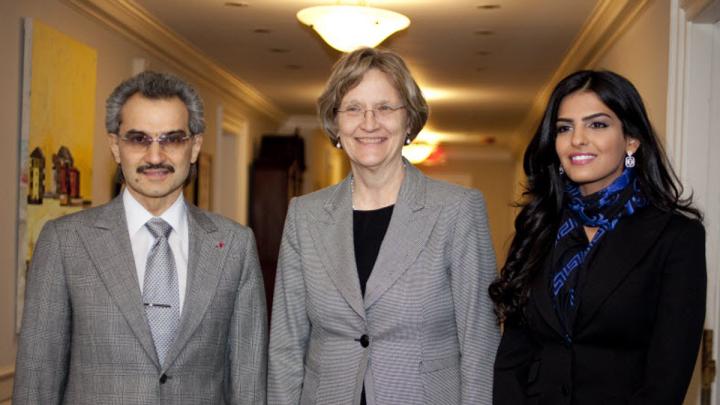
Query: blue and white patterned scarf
column 600, row 210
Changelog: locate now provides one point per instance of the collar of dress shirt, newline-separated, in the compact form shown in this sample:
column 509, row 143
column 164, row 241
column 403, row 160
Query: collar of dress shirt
column 137, row 215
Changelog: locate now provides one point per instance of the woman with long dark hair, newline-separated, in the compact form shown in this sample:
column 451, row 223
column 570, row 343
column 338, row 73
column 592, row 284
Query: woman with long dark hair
column 602, row 295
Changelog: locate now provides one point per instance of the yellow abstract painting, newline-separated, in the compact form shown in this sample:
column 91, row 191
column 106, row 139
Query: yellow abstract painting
column 56, row 140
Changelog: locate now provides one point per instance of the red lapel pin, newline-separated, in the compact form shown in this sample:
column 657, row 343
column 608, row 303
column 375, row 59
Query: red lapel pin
column 220, row 245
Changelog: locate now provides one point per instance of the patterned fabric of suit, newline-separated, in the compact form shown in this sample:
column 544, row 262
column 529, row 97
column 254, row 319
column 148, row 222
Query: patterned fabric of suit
column 85, row 336
column 431, row 328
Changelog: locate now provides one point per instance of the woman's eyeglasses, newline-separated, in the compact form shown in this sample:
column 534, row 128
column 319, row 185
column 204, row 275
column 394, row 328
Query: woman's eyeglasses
column 381, row 111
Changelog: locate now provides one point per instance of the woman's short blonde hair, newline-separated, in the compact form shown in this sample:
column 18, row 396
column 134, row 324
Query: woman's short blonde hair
column 349, row 71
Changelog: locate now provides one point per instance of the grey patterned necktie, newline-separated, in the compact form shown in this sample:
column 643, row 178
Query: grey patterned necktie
column 161, row 295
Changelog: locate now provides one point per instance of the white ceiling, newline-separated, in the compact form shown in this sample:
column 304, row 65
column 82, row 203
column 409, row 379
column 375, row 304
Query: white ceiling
column 485, row 83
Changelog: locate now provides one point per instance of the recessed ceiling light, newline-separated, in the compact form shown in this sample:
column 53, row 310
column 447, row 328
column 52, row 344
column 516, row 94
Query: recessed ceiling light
column 489, row 7
column 261, row 31
column 279, row 50
column 484, row 32
column 236, row 4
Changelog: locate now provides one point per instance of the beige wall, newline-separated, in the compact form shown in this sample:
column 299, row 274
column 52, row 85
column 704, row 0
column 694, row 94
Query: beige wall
column 115, row 56
column 641, row 55
column 491, row 172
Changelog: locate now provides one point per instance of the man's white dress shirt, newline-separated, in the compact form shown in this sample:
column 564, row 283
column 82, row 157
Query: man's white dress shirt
column 142, row 240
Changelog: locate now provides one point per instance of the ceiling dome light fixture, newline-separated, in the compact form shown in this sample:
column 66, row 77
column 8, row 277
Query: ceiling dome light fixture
column 346, row 27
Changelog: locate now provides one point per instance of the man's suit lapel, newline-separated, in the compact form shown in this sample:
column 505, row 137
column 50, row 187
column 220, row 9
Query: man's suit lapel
column 206, row 258
column 406, row 236
column 624, row 247
column 332, row 231
column 107, row 242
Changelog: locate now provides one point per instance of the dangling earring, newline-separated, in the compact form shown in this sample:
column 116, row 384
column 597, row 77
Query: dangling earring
column 561, row 171
column 629, row 160
column 408, row 140
column 338, row 144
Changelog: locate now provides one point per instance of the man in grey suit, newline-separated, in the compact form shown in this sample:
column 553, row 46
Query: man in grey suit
column 147, row 299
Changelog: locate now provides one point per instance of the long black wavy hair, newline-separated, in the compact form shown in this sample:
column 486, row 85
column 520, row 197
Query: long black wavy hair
column 536, row 224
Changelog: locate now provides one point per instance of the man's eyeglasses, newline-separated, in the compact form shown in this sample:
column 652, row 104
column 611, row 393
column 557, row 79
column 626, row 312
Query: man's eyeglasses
column 380, row 111
column 169, row 142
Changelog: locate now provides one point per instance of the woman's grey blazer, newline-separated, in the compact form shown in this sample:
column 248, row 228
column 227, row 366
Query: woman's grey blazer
column 424, row 333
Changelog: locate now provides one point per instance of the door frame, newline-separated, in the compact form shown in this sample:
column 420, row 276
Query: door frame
column 232, row 125
column 693, row 122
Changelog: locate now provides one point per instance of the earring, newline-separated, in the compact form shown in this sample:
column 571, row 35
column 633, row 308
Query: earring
column 629, row 160
column 338, row 144
column 408, row 140
column 561, row 171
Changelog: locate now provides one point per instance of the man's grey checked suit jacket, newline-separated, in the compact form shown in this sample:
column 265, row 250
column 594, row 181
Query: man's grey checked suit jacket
column 85, row 336
column 426, row 312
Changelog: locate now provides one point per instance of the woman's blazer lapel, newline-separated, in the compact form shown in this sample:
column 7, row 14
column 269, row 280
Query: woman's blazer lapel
column 540, row 297
column 332, row 230
column 408, row 231
column 616, row 257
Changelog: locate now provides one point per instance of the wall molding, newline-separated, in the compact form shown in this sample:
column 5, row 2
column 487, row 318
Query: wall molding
column 134, row 22
column 701, row 11
column 693, row 105
column 7, row 374
column 607, row 22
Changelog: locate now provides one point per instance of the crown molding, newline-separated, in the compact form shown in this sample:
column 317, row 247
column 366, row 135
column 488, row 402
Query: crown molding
column 134, row 22
column 608, row 20
column 701, row 11
column 234, row 122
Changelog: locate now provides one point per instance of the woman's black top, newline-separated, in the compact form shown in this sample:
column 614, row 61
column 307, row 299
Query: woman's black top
column 369, row 229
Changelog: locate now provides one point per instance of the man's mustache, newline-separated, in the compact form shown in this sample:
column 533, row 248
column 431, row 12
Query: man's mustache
column 143, row 168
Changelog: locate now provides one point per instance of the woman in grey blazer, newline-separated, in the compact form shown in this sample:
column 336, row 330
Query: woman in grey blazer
column 381, row 290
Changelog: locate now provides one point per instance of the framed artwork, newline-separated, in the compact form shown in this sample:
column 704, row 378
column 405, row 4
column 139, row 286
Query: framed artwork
column 56, row 136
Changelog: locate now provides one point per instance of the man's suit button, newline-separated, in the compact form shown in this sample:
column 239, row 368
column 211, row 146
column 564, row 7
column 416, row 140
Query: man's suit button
column 163, row 378
column 364, row 340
